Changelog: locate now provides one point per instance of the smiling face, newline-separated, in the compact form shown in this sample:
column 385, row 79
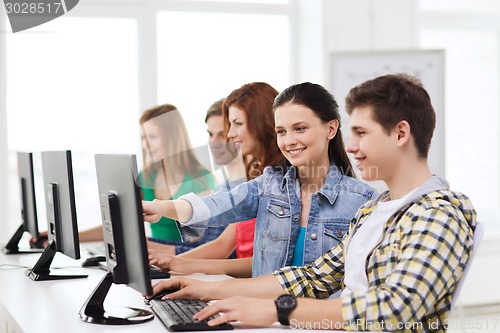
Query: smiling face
column 217, row 140
column 152, row 142
column 302, row 137
column 373, row 149
column 238, row 133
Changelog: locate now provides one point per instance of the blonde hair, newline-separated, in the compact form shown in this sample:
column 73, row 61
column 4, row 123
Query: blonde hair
column 174, row 135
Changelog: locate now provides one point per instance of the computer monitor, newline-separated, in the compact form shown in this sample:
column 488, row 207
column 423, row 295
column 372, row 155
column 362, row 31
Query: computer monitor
column 28, row 206
column 124, row 239
column 62, row 228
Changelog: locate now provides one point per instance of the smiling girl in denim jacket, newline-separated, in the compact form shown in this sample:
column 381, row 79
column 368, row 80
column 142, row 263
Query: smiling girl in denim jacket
column 303, row 207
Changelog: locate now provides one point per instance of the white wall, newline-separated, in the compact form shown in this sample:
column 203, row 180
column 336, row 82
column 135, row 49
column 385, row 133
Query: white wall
column 368, row 25
column 310, row 41
column 4, row 199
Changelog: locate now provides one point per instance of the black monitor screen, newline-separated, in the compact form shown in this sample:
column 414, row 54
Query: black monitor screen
column 28, row 204
column 124, row 239
column 28, row 198
column 62, row 225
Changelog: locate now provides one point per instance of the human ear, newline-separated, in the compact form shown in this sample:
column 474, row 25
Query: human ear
column 403, row 132
column 333, row 126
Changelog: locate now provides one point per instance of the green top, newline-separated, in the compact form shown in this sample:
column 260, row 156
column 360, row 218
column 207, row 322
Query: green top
column 166, row 228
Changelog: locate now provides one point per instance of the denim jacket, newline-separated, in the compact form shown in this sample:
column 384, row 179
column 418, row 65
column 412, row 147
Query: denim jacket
column 273, row 199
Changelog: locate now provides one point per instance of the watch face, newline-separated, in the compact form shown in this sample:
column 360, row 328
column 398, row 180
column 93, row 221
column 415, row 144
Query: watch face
column 286, row 302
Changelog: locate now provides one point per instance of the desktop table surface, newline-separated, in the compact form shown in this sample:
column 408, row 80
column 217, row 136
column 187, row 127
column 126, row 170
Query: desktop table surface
column 53, row 306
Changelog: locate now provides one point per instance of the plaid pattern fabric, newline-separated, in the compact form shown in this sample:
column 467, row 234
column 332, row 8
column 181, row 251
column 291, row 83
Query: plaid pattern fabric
column 412, row 272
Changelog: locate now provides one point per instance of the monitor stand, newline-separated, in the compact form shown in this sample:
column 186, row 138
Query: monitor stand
column 12, row 246
column 93, row 310
column 41, row 270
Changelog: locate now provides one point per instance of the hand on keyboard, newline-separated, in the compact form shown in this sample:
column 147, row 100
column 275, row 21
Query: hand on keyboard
column 177, row 315
column 188, row 288
column 239, row 308
column 169, row 262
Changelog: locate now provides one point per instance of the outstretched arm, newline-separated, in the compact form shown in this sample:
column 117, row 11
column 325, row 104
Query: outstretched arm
column 218, row 209
column 202, row 259
column 219, row 248
column 233, row 267
column 179, row 210
column 314, row 313
column 91, row 235
column 266, row 286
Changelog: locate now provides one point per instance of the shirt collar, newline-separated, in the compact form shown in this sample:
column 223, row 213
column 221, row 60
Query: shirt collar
column 329, row 190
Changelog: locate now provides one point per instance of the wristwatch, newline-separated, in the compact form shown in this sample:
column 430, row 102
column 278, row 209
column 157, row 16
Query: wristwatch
column 284, row 306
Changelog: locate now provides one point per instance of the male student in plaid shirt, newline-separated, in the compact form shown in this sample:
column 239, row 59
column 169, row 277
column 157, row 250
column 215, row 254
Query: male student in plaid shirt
column 406, row 250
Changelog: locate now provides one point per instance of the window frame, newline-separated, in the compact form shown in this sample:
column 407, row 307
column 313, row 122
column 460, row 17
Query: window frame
column 145, row 12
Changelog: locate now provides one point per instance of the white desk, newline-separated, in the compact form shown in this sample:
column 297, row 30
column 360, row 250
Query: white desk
column 53, row 306
column 27, row 306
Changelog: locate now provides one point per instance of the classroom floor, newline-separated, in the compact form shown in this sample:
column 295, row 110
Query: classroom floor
column 475, row 319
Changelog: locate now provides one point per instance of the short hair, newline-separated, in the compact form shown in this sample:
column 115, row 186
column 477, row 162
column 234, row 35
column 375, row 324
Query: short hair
column 397, row 97
column 215, row 109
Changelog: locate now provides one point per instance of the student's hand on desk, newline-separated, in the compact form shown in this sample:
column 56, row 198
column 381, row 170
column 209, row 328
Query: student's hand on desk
column 169, row 263
column 163, row 261
column 152, row 211
column 243, row 309
column 183, row 287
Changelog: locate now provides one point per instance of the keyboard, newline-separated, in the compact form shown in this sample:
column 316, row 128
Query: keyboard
column 177, row 315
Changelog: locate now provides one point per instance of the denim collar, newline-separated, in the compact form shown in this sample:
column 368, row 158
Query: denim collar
column 329, row 190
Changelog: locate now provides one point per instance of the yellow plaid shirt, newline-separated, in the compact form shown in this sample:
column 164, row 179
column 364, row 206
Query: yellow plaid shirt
column 412, row 272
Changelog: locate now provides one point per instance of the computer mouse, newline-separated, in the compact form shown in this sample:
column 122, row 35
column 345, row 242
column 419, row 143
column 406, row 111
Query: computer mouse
column 93, row 261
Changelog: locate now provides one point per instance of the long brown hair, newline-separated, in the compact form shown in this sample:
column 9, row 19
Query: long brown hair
column 256, row 100
column 174, row 135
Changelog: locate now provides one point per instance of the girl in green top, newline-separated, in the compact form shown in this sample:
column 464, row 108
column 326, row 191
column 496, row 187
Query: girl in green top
column 171, row 168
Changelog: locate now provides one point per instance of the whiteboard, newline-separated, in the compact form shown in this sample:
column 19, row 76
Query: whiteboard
column 348, row 69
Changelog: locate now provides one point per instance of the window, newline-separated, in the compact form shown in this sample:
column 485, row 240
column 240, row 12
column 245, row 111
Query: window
column 215, row 54
column 73, row 89
column 81, row 81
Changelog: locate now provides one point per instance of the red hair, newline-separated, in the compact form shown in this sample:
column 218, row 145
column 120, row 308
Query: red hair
column 256, row 100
